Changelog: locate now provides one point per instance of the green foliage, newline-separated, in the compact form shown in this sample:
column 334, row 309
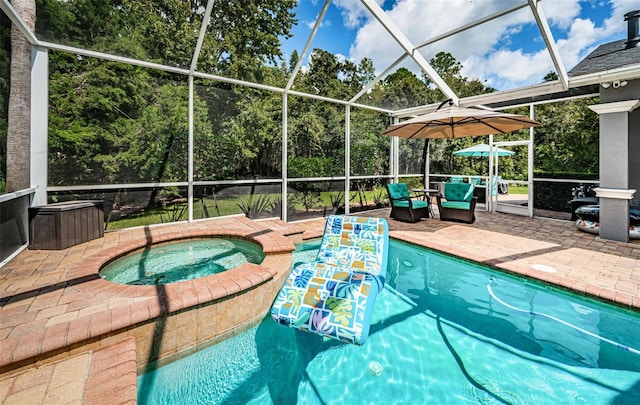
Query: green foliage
column 568, row 141
column 113, row 123
column 174, row 213
column 310, row 167
column 369, row 150
column 257, row 206
column 337, row 200
column 402, row 89
column 276, row 206
column 380, row 198
column 307, row 198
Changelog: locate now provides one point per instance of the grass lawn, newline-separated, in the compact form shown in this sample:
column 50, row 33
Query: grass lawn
column 210, row 207
column 518, row 189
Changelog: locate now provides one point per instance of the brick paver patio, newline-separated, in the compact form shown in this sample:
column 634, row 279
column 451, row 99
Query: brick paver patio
column 40, row 303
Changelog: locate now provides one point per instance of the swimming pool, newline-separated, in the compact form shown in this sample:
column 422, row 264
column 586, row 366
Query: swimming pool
column 440, row 333
column 181, row 260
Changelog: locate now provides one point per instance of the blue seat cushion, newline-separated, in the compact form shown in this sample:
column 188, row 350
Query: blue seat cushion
column 397, row 191
column 456, row 205
column 458, row 192
column 328, row 300
column 414, row 204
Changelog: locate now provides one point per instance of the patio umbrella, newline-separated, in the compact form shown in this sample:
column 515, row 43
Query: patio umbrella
column 458, row 122
column 482, row 150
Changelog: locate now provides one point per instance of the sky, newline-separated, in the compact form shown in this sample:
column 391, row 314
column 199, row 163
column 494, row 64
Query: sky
column 505, row 53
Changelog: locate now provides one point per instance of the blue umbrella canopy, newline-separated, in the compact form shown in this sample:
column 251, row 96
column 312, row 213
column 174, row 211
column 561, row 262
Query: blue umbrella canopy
column 482, row 150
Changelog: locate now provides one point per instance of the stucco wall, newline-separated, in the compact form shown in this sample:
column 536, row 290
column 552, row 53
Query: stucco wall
column 634, row 154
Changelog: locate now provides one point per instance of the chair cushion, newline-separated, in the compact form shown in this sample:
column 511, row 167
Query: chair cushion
column 456, row 205
column 458, row 192
column 456, row 179
column 414, row 204
column 397, row 191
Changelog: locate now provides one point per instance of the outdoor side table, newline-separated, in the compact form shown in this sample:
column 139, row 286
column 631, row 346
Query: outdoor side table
column 427, row 195
column 62, row 225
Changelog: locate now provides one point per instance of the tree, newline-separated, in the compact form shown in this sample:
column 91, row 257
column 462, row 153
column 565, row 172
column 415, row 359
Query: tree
column 567, row 141
column 19, row 112
column 369, row 150
column 442, row 158
column 402, row 89
column 115, row 123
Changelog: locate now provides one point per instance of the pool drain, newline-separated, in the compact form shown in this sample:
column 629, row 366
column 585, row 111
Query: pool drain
column 375, row 368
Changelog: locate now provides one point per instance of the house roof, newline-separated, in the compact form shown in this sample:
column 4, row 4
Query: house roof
column 606, row 57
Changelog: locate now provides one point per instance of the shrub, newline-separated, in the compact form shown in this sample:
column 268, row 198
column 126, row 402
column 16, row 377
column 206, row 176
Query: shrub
column 257, row 206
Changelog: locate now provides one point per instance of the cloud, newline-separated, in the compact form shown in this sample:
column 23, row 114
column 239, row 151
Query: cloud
column 560, row 13
column 499, row 51
column 352, row 12
column 312, row 23
column 616, row 24
column 438, row 18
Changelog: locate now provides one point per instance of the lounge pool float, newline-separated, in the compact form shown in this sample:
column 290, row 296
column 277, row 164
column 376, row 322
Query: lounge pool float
column 589, row 220
column 334, row 295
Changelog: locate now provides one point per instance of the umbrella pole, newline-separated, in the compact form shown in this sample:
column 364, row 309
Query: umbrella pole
column 427, row 158
column 490, row 179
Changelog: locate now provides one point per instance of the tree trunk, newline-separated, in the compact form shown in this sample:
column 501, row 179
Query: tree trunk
column 19, row 114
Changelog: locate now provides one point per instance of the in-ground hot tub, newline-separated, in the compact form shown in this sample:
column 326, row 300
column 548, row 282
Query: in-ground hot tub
column 181, row 260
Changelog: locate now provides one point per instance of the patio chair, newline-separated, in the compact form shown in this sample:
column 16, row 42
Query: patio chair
column 460, row 203
column 403, row 207
column 334, row 295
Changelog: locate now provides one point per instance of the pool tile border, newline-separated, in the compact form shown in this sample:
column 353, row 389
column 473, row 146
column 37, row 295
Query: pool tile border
column 94, row 307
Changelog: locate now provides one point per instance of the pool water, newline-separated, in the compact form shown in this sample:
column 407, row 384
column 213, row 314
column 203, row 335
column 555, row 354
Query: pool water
column 179, row 261
column 438, row 335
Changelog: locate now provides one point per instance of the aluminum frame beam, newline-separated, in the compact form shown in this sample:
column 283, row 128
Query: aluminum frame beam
column 545, row 31
column 408, row 47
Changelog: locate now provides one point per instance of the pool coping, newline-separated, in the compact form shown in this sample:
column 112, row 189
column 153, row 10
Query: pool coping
column 523, row 268
column 81, row 324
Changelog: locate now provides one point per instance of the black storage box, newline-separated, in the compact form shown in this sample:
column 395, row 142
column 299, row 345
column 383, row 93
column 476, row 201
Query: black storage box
column 62, row 225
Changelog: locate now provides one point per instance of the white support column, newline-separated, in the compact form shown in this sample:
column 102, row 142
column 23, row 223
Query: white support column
column 285, row 181
column 394, row 150
column 347, row 158
column 530, row 153
column 190, row 153
column 614, row 192
column 39, row 124
column 490, row 197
